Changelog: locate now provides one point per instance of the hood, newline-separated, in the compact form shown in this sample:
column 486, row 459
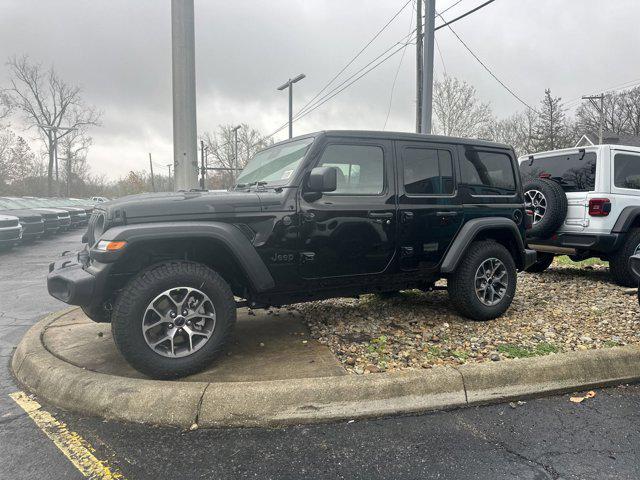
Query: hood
column 181, row 204
column 27, row 214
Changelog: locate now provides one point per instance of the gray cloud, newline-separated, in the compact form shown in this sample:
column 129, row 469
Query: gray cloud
column 119, row 52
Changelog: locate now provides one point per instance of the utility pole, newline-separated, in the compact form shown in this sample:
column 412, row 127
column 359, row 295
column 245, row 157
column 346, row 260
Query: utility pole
column 68, row 170
column 419, row 66
column 600, row 108
column 169, row 167
column 235, row 150
column 153, row 182
column 427, row 81
column 289, row 85
column 185, row 140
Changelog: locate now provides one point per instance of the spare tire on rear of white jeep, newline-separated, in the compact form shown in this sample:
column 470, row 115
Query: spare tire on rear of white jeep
column 547, row 202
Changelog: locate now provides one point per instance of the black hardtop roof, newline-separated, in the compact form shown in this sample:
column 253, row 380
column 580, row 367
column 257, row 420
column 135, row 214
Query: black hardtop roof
column 403, row 136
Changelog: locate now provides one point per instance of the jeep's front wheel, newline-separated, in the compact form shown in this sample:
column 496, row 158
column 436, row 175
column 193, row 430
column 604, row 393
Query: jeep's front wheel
column 483, row 285
column 173, row 319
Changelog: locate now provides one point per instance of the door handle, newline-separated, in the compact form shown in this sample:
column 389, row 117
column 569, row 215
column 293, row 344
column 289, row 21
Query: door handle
column 380, row 215
column 446, row 214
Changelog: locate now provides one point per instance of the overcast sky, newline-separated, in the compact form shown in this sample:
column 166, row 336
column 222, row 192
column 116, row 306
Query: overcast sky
column 119, row 52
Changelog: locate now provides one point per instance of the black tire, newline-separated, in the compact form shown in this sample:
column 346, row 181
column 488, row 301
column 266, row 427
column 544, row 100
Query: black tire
column 542, row 263
column 555, row 210
column 131, row 304
column 619, row 261
column 461, row 285
column 97, row 314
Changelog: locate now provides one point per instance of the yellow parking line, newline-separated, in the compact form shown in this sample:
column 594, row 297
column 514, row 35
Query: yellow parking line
column 72, row 445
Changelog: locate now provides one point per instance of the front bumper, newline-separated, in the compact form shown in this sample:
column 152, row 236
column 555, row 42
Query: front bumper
column 10, row 235
column 77, row 280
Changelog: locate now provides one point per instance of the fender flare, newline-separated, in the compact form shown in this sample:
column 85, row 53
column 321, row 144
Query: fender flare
column 229, row 235
column 470, row 231
column 625, row 219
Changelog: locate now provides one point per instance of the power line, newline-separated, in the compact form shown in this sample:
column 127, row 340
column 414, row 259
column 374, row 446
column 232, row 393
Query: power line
column 446, row 24
column 451, row 6
column 350, row 62
column 395, row 78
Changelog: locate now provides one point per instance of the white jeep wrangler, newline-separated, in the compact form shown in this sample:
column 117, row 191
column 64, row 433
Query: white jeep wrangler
column 585, row 202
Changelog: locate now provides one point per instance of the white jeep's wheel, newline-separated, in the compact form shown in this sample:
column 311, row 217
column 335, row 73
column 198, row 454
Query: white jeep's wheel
column 548, row 204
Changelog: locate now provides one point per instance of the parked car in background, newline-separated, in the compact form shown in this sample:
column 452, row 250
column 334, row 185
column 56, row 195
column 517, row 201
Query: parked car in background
column 99, row 199
column 73, row 203
column 79, row 217
column 64, row 217
column 10, row 231
column 34, row 222
column 585, row 203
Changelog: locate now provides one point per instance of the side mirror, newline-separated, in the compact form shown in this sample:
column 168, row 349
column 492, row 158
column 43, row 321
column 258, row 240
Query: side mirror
column 322, row 179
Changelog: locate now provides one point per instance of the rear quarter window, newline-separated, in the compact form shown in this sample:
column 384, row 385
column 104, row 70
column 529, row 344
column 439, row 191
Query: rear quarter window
column 626, row 171
column 575, row 172
column 488, row 173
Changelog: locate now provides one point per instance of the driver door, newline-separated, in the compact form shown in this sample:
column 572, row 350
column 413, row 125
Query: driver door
column 351, row 231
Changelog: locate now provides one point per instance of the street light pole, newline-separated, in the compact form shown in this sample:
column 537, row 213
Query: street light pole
column 289, row 85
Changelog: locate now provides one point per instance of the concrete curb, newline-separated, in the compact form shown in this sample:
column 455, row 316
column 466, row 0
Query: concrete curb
column 281, row 402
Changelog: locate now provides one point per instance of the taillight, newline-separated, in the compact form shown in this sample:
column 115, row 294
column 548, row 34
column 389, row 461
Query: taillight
column 599, row 207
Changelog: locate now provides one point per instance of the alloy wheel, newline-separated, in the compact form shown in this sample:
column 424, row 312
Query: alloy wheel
column 178, row 322
column 491, row 282
column 535, row 201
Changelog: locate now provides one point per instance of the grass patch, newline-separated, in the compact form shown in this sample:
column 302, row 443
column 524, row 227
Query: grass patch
column 377, row 345
column 564, row 260
column 610, row 344
column 515, row 351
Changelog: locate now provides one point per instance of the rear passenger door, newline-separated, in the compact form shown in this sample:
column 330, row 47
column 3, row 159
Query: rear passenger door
column 429, row 209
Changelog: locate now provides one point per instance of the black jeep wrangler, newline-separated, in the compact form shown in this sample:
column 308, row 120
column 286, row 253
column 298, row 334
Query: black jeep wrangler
column 330, row 214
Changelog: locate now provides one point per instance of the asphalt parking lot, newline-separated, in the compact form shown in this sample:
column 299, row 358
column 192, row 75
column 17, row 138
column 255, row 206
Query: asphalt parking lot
column 538, row 439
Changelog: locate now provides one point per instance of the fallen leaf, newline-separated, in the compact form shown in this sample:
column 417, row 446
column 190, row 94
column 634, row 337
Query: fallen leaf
column 577, row 399
column 590, row 394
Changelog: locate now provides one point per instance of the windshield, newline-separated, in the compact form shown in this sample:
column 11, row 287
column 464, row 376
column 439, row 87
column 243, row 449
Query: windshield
column 276, row 164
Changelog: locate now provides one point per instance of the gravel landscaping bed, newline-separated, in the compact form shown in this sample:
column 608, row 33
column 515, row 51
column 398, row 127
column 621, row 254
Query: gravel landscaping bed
column 568, row 307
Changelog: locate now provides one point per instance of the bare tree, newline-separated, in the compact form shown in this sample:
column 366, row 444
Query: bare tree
column 221, row 149
column 5, row 105
column 49, row 104
column 458, row 112
column 553, row 129
column 615, row 116
column 518, row 130
column 74, row 147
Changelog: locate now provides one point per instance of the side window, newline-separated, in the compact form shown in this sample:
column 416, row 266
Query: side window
column 427, row 171
column 360, row 168
column 488, row 173
column 626, row 171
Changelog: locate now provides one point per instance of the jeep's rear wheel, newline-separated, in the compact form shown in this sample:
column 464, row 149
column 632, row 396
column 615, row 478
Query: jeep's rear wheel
column 483, row 285
column 544, row 260
column 619, row 261
column 173, row 319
